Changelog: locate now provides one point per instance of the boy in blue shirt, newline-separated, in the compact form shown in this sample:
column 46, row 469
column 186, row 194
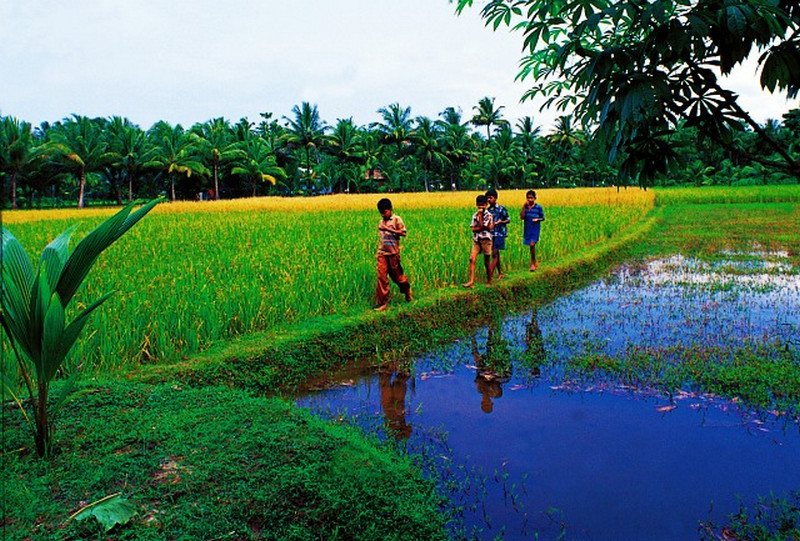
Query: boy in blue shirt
column 499, row 233
column 532, row 215
column 482, row 225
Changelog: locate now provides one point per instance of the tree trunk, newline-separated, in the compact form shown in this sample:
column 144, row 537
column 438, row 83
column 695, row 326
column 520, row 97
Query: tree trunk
column 308, row 170
column 42, row 436
column 216, row 183
column 82, row 184
column 172, row 187
column 14, row 191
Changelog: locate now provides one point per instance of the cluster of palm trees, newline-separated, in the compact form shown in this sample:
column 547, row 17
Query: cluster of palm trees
column 111, row 159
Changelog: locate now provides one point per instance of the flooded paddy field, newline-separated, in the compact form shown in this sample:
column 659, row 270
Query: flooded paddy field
column 529, row 443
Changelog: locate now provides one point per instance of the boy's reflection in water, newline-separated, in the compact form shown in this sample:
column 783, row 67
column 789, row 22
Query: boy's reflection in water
column 393, row 383
column 494, row 367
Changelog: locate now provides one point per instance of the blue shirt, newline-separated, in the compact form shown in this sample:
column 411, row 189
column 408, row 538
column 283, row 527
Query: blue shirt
column 531, row 231
column 499, row 212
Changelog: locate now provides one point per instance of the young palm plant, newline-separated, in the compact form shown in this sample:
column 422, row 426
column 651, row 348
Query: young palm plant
column 33, row 304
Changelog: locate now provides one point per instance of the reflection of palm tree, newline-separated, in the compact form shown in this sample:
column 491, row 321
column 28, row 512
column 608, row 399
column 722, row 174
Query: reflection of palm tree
column 393, row 384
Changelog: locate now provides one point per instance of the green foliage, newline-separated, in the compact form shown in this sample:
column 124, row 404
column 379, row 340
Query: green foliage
column 108, row 511
column 402, row 153
column 193, row 470
column 34, row 307
column 772, row 518
column 635, row 70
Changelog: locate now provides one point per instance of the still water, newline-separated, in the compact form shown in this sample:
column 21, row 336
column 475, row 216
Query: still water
column 525, row 451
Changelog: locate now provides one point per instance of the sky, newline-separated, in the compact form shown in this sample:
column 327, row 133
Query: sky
column 187, row 61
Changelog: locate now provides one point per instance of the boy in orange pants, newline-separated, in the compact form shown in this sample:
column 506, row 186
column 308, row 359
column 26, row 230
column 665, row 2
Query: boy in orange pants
column 390, row 229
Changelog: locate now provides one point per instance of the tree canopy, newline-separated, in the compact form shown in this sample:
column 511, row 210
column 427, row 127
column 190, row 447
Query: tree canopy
column 636, row 70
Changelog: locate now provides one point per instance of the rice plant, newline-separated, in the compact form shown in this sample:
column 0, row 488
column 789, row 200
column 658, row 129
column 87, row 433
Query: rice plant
column 220, row 269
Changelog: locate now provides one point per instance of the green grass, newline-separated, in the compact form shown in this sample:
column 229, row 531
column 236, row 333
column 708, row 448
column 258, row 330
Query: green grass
column 210, row 463
column 727, row 194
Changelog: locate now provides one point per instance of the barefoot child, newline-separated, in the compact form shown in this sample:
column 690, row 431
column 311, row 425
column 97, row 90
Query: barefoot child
column 482, row 225
column 499, row 233
column 390, row 229
column 533, row 215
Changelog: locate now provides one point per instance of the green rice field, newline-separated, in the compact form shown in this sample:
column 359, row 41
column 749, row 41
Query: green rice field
column 190, row 275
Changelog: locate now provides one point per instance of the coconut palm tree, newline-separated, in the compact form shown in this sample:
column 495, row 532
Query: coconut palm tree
column 346, row 145
column 504, row 158
column 77, row 145
column 259, row 164
column 216, row 145
column 456, row 143
column 396, row 129
column 34, row 311
column 129, row 149
column 176, row 153
column 428, row 147
column 372, row 151
column 306, row 131
column 487, row 115
column 16, row 145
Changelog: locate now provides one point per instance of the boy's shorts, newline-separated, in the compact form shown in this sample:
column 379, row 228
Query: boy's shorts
column 482, row 246
column 498, row 243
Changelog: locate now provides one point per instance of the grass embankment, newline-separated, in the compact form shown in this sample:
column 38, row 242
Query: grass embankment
column 210, row 464
column 217, row 463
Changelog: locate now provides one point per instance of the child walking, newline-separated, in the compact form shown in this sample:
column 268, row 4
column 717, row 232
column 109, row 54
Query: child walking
column 499, row 233
column 390, row 229
column 482, row 225
column 533, row 215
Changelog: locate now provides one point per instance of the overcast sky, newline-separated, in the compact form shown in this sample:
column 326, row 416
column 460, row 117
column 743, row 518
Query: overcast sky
column 187, row 61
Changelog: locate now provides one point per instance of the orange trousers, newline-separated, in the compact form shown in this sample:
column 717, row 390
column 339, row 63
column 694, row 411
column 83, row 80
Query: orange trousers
column 389, row 267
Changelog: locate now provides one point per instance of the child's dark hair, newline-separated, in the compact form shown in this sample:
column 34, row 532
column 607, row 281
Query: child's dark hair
column 384, row 204
column 491, row 192
column 480, row 200
column 530, row 192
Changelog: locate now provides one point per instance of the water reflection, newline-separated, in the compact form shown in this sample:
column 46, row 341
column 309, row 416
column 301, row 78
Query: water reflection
column 493, row 367
column 536, row 355
column 393, row 383
column 595, row 459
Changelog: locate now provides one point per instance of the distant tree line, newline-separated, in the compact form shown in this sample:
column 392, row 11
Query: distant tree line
column 81, row 160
